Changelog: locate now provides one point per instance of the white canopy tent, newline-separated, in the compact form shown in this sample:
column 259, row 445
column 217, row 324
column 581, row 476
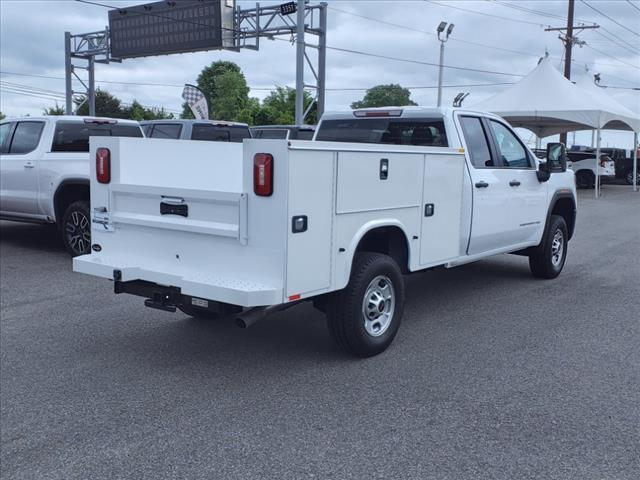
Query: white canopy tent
column 546, row 103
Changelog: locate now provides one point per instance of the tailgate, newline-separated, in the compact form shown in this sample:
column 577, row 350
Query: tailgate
column 176, row 213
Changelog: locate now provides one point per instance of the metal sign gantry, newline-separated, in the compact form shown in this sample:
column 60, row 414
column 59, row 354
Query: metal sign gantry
column 92, row 48
column 293, row 19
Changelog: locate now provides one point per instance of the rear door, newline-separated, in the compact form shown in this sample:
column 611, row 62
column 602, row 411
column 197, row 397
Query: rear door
column 19, row 161
column 491, row 227
column 527, row 195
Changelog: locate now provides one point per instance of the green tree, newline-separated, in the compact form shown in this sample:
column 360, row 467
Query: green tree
column 136, row 111
column 57, row 110
column 107, row 105
column 392, row 95
column 2, row 116
column 279, row 108
column 226, row 90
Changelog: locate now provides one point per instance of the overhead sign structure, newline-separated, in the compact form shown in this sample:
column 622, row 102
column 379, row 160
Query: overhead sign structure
column 167, row 27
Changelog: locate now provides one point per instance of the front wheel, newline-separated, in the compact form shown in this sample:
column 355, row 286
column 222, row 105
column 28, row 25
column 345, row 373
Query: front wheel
column 548, row 258
column 76, row 228
column 364, row 318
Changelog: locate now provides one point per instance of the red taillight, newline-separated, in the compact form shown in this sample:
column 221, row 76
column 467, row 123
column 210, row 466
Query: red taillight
column 103, row 165
column 263, row 174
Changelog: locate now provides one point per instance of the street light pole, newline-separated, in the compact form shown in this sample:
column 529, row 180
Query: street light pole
column 443, row 37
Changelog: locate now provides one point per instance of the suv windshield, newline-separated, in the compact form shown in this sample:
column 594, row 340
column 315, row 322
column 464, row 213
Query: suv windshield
column 410, row 131
column 74, row 136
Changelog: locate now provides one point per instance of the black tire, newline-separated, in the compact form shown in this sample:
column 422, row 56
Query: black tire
column 76, row 228
column 198, row 312
column 547, row 261
column 585, row 179
column 629, row 177
column 352, row 329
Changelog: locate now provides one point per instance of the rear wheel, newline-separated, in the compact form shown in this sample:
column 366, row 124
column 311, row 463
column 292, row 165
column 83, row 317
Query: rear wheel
column 364, row 318
column 629, row 177
column 585, row 179
column 548, row 258
column 76, row 228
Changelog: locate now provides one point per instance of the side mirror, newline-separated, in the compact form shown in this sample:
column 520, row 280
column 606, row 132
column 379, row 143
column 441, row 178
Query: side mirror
column 556, row 157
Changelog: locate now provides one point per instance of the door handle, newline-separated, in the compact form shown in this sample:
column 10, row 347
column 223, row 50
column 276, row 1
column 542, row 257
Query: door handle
column 29, row 165
column 482, row 184
column 514, row 183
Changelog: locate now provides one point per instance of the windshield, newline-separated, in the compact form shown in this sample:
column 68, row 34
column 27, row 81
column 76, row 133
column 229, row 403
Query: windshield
column 411, row 131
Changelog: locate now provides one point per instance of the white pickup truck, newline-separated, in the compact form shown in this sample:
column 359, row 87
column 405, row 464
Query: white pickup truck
column 248, row 229
column 44, row 171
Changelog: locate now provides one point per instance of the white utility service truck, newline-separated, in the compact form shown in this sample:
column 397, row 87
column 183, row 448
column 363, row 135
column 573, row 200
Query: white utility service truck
column 244, row 230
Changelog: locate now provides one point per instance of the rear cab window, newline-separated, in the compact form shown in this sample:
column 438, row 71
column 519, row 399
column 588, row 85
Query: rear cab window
column 219, row 133
column 428, row 132
column 74, row 136
column 165, row 130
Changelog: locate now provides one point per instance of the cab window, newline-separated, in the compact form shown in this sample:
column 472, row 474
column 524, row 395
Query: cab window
column 512, row 152
column 26, row 137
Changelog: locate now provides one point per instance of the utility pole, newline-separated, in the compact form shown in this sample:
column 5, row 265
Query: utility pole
column 569, row 39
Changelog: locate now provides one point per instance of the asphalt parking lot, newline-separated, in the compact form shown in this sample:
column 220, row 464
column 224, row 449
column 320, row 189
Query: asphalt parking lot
column 493, row 375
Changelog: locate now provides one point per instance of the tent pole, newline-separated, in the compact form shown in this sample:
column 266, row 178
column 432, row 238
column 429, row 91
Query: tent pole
column 593, row 138
column 597, row 183
column 635, row 161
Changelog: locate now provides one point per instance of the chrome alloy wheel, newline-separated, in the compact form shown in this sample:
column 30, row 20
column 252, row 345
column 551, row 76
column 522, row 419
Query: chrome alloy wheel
column 557, row 248
column 378, row 306
column 78, row 232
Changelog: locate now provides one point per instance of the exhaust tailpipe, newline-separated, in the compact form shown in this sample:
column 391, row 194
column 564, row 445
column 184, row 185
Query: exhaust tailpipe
column 255, row 314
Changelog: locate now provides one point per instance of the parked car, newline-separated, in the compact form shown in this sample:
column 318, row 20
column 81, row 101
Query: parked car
column 624, row 163
column 584, row 166
column 288, row 132
column 246, row 230
column 209, row 130
column 44, row 171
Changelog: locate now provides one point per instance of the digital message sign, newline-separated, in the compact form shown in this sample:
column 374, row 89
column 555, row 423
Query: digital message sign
column 163, row 28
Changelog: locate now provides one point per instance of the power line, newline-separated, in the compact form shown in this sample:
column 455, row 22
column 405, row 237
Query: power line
column 621, row 45
column 454, row 39
column 254, row 88
column 484, row 13
column 634, row 6
column 418, row 62
column 610, row 56
column 535, row 12
column 613, row 20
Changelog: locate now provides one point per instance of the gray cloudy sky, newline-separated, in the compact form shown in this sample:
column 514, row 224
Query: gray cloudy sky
column 511, row 34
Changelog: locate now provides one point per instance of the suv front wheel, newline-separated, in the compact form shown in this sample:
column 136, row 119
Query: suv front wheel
column 76, row 228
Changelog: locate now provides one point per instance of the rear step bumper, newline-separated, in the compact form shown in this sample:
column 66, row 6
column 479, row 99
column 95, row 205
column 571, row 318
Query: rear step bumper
column 170, row 298
column 244, row 293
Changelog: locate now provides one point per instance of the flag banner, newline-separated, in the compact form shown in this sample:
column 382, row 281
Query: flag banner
column 196, row 101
